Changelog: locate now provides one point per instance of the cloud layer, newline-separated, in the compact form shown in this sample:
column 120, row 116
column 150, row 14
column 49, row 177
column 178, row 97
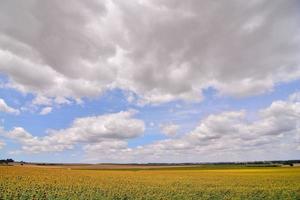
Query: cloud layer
column 51, row 49
column 109, row 128
column 225, row 136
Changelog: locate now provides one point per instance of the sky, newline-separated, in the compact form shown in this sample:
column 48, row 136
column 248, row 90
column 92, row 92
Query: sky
column 139, row 81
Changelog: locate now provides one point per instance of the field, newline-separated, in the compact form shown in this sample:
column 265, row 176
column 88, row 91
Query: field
column 28, row 182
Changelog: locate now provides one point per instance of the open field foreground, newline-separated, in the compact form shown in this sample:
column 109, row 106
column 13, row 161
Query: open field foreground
column 17, row 182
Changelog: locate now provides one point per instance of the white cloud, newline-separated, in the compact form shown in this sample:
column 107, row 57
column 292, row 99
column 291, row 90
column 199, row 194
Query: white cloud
column 2, row 144
column 42, row 100
column 295, row 97
column 226, row 136
column 46, row 111
column 44, row 105
column 109, row 146
column 20, row 134
column 83, row 50
column 169, row 129
column 116, row 127
column 7, row 109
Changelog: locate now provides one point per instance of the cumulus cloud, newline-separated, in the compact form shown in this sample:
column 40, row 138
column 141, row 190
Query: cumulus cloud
column 46, row 111
column 169, row 129
column 51, row 49
column 225, row 136
column 115, row 127
column 46, row 101
column 44, row 105
column 7, row 109
column 58, row 52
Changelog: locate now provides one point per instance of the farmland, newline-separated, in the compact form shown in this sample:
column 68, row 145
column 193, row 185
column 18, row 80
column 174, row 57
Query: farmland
column 28, row 182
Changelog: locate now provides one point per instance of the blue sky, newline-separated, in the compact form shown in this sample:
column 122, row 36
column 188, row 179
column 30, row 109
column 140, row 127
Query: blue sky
column 190, row 86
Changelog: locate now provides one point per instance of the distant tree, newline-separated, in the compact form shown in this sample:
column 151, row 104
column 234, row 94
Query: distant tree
column 6, row 161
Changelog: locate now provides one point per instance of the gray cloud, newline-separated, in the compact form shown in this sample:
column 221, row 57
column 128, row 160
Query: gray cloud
column 161, row 50
column 240, row 49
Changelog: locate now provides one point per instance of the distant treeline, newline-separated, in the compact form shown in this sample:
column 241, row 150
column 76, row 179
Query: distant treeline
column 52, row 164
column 6, row 161
column 273, row 162
column 249, row 163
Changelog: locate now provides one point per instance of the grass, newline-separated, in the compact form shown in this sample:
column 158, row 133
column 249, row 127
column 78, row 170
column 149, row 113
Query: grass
column 18, row 182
